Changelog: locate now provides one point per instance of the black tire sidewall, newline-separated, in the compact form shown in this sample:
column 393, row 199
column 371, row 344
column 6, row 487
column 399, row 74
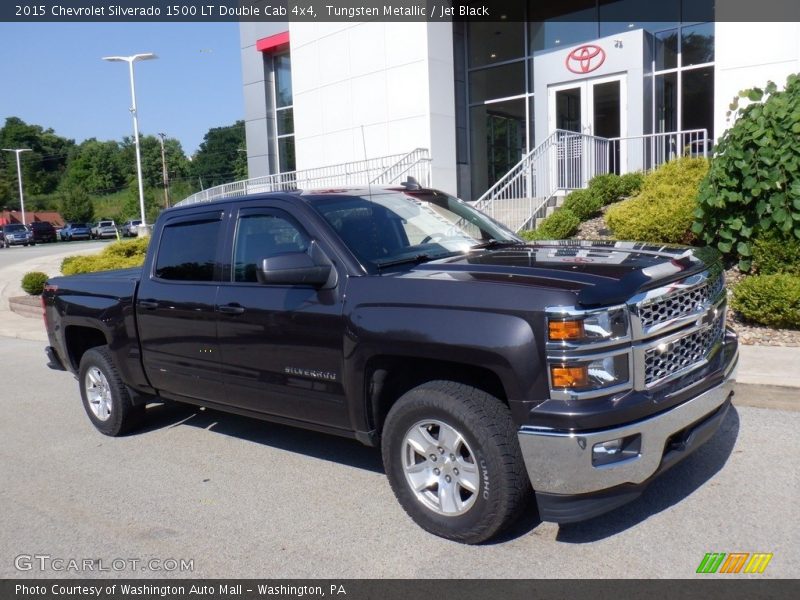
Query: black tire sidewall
column 480, row 515
column 114, row 424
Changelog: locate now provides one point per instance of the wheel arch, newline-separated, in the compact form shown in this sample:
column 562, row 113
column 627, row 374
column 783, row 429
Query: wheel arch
column 80, row 338
column 388, row 377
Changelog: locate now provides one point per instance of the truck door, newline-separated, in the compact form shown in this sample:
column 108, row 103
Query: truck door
column 175, row 307
column 281, row 345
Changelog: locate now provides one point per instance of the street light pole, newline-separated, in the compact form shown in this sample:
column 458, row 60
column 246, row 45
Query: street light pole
column 19, row 151
column 130, row 60
column 164, row 172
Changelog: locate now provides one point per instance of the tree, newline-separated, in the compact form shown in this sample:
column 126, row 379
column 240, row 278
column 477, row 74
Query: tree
column 42, row 168
column 131, row 208
column 177, row 163
column 95, row 166
column 219, row 159
column 76, row 206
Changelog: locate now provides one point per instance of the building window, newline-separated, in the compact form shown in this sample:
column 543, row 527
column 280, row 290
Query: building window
column 284, row 113
column 683, row 87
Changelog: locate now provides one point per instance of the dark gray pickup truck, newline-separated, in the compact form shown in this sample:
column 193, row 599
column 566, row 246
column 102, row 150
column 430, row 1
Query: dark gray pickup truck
column 485, row 368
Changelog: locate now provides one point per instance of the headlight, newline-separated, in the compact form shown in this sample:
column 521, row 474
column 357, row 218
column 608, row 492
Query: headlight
column 587, row 326
column 588, row 374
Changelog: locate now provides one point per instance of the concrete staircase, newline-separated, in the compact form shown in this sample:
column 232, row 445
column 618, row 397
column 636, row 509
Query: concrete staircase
column 554, row 203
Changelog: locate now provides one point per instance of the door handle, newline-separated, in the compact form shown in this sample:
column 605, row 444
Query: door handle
column 148, row 304
column 230, row 309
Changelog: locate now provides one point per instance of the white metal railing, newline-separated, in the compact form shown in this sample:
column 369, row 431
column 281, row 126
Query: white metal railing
column 650, row 151
column 384, row 170
column 402, row 166
column 566, row 160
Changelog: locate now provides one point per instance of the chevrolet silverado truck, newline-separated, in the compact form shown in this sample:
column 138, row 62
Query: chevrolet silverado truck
column 484, row 368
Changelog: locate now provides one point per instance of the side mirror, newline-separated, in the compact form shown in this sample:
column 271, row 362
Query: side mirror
column 312, row 267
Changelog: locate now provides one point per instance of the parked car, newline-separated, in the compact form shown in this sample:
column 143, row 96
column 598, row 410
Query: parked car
column 16, row 234
column 43, row 231
column 130, row 228
column 75, row 231
column 484, row 368
column 104, row 229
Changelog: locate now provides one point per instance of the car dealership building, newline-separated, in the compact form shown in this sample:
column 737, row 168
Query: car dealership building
column 479, row 96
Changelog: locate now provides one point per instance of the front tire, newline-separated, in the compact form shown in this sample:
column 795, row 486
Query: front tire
column 452, row 457
column 105, row 397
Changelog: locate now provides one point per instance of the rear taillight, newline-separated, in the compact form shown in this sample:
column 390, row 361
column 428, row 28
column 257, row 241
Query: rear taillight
column 47, row 288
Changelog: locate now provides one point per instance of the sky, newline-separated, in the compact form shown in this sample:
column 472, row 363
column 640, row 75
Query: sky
column 51, row 74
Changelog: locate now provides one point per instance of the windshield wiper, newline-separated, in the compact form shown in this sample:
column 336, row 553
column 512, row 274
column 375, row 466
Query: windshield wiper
column 496, row 244
column 415, row 260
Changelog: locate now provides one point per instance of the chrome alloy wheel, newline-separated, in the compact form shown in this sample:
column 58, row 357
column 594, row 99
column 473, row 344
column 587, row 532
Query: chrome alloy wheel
column 440, row 468
column 98, row 393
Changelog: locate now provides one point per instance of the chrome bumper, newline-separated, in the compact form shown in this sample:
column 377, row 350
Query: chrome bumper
column 561, row 463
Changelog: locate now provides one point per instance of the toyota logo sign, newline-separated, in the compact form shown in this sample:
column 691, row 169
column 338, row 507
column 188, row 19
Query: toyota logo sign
column 585, row 59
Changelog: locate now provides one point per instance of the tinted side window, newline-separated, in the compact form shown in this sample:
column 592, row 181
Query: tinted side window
column 188, row 251
column 261, row 236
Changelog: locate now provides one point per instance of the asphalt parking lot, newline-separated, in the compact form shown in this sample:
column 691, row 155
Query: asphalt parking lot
column 243, row 498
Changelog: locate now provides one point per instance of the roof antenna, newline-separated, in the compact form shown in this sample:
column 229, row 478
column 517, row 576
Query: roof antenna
column 411, row 183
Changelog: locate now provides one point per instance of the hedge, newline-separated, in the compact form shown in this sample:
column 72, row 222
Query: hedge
column 33, row 282
column 117, row 255
column 775, row 253
column 664, row 209
column 560, row 225
column 772, row 300
column 584, row 204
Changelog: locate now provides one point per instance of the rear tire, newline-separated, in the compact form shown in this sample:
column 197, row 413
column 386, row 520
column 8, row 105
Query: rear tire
column 105, row 397
column 453, row 460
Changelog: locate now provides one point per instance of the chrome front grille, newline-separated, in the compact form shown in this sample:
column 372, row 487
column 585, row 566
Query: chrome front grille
column 681, row 301
column 684, row 353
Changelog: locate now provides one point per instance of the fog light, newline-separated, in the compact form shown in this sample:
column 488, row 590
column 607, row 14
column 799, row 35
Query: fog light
column 617, row 450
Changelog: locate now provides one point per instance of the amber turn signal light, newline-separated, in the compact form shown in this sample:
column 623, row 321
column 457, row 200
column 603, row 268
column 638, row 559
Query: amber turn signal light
column 569, row 377
column 565, row 330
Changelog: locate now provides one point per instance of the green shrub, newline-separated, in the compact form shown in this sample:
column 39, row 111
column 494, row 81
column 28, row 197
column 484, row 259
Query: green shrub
column 630, row 184
column 606, row 188
column 584, row 204
column 127, row 248
column 560, row 225
column 753, row 186
column 117, row 255
column 772, row 300
column 775, row 253
column 33, row 282
column 664, row 209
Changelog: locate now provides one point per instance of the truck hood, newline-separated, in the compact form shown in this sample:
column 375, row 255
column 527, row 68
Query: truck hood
column 600, row 272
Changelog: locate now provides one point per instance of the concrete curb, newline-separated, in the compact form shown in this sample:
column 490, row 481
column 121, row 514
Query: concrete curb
column 767, row 396
column 26, row 306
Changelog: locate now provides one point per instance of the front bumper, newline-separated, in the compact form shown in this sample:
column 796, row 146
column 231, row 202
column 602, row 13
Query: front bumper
column 569, row 487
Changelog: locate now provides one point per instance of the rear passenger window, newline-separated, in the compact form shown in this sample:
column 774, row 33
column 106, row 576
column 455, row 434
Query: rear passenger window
column 187, row 251
column 260, row 236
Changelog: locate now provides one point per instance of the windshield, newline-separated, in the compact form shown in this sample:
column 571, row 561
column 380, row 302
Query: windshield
column 13, row 228
column 411, row 226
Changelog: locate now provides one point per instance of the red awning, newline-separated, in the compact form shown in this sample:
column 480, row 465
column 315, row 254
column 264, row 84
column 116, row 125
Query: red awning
column 273, row 42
